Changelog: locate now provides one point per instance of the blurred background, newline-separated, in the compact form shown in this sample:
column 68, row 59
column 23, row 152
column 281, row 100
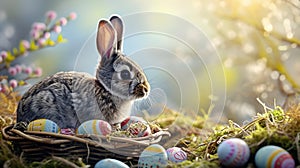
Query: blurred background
column 217, row 56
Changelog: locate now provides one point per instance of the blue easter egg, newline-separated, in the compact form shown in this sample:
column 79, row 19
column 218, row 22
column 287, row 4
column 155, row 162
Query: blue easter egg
column 110, row 163
column 43, row 125
column 153, row 156
column 233, row 152
column 273, row 157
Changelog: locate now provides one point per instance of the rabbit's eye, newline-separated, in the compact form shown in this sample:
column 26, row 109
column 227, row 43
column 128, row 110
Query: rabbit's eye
column 125, row 75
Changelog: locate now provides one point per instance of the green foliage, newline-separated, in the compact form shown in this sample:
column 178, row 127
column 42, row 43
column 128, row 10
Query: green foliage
column 7, row 157
column 273, row 127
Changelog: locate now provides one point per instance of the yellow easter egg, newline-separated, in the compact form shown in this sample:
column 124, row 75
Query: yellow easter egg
column 43, row 125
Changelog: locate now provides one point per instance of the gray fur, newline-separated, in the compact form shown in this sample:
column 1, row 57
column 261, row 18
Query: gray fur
column 70, row 98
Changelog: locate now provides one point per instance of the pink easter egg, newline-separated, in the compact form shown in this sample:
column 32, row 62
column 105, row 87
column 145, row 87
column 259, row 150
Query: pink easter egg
column 233, row 152
column 176, row 155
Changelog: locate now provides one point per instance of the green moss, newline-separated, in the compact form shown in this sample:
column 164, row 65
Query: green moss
column 196, row 164
column 273, row 127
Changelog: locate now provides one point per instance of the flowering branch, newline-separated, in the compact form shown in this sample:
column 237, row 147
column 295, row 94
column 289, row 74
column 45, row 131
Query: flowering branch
column 42, row 35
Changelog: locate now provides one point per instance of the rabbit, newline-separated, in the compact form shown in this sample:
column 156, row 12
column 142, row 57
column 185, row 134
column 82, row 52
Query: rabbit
column 70, row 98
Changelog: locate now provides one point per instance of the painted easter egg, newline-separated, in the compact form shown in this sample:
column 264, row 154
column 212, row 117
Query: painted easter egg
column 97, row 127
column 129, row 120
column 176, row 155
column 67, row 131
column 43, row 125
column 136, row 126
column 273, row 157
column 110, row 163
column 153, row 156
column 233, row 152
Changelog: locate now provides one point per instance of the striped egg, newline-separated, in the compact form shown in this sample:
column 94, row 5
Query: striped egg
column 273, row 157
column 43, row 125
column 153, row 156
column 233, row 152
column 136, row 126
column 97, row 127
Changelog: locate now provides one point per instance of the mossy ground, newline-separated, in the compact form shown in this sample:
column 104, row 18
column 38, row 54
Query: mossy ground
column 273, row 126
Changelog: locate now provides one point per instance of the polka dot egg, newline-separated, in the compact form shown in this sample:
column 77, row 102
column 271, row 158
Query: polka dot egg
column 176, row 155
column 273, row 157
column 233, row 152
column 110, row 163
column 141, row 128
column 153, row 156
column 97, row 127
column 43, row 125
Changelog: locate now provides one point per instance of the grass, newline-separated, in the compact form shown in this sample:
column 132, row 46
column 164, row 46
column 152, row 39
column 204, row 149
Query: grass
column 273, row 126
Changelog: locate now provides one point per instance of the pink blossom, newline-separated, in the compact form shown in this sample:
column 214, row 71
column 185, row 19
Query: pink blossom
column 28, row 70
column 13, row 83
column 41, row 41
column 12, row 71
column 72, row 15
column 18, row 68
column 63, row 21
column 1, row 59
column 51, row 15
column 2, row 88
column 57, row 29
column 38, row 72
column 35, row 34
column 3, row 54
column 25, row 43
column 47, row 35
column 38, row 26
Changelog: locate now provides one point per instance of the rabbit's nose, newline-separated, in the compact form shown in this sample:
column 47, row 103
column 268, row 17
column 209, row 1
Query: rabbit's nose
column 141, row 90
column 145, row 89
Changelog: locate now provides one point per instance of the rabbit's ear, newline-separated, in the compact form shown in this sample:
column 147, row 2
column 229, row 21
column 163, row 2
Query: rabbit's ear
column 118, row 25
column 106, row 39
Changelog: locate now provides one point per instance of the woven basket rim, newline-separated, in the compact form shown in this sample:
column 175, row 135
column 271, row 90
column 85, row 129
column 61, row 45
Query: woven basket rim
column 9, row 133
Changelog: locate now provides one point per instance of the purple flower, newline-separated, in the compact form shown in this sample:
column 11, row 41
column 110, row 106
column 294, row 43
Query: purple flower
column 12, row 71
column 51, row 15
column 3, row 54
column 57, row 29
column 13, row 83
column 63, row 21
column 72, row 16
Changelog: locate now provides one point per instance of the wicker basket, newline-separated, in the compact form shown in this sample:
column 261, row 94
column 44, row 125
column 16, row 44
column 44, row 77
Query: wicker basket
column 36, row 146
